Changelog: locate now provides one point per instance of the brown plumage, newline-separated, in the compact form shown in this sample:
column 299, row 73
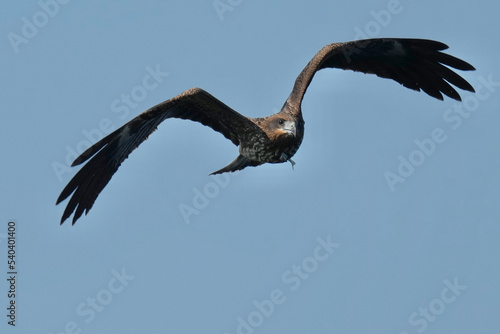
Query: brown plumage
column 415, row 63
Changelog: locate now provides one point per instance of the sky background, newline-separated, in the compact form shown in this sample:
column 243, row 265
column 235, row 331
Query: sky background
column 421, row 256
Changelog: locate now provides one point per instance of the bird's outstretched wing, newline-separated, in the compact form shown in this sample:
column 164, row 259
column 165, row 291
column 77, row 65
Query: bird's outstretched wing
column 417, row 64
column 107, row 155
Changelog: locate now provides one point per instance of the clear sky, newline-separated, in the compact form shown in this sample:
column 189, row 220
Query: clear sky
column 329, row 247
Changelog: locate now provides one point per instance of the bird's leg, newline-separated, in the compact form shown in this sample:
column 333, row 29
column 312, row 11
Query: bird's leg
column 286, row 158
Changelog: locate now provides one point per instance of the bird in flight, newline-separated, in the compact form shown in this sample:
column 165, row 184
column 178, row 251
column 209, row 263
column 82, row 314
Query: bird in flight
column 417, row 64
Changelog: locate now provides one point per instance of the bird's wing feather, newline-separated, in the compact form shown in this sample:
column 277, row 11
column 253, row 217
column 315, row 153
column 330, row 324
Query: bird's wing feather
column 417, row 64
column 107, row 155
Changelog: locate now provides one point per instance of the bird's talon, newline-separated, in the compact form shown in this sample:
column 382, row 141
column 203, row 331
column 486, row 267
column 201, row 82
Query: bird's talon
column 285, row 157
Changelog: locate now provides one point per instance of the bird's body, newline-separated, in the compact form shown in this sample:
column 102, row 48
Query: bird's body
column 416, row 64
column 280, row 139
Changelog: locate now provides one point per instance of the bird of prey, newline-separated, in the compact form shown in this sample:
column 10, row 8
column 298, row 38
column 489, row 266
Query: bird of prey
column 417, row 64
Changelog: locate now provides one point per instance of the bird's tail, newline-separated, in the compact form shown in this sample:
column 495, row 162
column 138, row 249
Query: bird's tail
column 238, row 164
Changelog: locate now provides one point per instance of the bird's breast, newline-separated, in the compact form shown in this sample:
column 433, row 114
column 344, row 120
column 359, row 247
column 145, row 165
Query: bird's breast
column 263, row 150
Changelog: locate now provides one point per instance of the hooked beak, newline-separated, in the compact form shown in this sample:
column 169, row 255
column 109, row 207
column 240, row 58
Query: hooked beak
column 289, row 128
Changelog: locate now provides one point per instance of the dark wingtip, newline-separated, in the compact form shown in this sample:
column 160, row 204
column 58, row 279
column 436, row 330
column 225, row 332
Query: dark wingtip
column 437, row 45
column 69, row 211
column 464, row 66
column 83, row 157
column 61, row 198
column 425, row 43
column 77, row 162
column 63, row 218
column 469, row 67
column 69, row 208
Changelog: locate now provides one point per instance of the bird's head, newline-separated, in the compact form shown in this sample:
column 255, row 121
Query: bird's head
column 281, row 125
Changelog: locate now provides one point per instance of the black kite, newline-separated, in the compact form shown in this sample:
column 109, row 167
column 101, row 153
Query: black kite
column 415, row 63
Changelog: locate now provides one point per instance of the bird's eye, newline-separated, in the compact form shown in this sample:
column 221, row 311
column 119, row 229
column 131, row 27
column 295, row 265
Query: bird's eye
column 281, row 121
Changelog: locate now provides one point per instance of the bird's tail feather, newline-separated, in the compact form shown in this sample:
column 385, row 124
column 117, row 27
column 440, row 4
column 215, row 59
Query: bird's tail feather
column 238, row 164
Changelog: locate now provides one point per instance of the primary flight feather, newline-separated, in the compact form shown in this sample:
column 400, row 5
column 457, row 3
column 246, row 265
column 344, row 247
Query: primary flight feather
column 417, row 64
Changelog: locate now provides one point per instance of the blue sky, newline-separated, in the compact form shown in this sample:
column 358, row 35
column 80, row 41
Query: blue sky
column 329, row 247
